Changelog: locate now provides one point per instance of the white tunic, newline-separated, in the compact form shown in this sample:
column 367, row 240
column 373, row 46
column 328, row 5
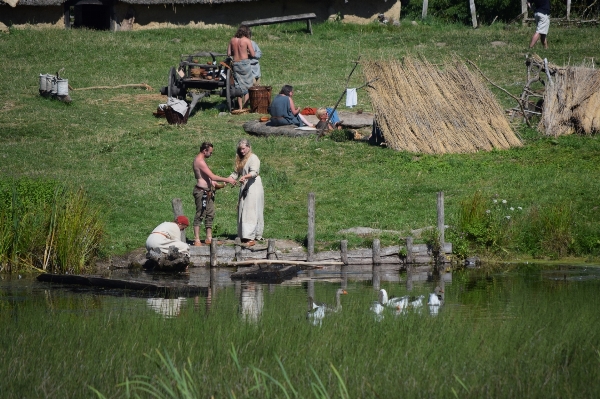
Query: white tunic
column 251, row 201
column 165, row 235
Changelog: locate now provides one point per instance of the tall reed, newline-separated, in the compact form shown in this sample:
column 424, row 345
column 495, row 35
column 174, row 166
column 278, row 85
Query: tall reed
column 46, row 226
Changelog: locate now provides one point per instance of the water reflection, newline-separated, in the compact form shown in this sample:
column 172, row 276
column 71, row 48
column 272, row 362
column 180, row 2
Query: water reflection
column 474, row 293
column 251, row 301
column 167, row 307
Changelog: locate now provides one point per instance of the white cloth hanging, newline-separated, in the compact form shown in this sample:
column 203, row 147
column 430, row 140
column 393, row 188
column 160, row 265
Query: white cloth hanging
column 351, row 98
column 179, row 106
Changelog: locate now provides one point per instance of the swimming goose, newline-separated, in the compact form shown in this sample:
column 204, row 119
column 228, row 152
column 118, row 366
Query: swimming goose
column 435, row 301
column 316, row 311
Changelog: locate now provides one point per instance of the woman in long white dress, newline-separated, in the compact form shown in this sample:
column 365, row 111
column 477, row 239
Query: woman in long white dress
column 251, row 202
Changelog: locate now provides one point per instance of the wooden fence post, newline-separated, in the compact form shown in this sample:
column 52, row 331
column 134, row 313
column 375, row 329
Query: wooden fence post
column 376, row 252
column 177, row 211
column 271, row 249
column 473, row 13
column 311, row 227
column 440, row 219
column 344, row 251
column 238, row 249
column 409, row 250
column 424, row 12
column 213, row 253
column 525, row 13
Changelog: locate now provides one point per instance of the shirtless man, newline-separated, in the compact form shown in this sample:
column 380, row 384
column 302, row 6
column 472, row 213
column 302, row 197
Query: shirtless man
column 240, row 46
column 204, row 193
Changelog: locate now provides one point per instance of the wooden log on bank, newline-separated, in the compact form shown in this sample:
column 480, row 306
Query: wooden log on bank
column 272, row 274
column 309, row 265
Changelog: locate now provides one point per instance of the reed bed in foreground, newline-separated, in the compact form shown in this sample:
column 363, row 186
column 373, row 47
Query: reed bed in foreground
column 530, row 336
column 46, row 226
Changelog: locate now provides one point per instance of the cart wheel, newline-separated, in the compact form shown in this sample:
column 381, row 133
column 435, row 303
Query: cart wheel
column 228, row 89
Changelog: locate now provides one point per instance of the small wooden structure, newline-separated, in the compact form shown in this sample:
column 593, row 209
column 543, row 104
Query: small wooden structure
column 289, row 18
column 405, row 255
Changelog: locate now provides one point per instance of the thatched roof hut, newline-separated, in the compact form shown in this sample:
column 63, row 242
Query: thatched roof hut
column 423, row 108
column 147, row 14
column 571, row 100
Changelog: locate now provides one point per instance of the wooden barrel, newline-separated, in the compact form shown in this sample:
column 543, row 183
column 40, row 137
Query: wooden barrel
column 260, row 99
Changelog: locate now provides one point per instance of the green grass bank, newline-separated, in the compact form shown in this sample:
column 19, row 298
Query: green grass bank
column 108, row 143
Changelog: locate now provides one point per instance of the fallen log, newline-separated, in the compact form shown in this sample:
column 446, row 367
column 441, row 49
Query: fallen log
column 271, row 274
column 103, row 282
column 314, row 265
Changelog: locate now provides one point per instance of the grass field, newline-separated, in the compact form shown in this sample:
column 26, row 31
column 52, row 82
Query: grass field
column 132, row 165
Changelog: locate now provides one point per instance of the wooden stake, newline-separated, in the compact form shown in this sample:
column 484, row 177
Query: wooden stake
column 311, row 227
column 376, row 252
column 213, row 253
column 271, row 250
column 344, row 251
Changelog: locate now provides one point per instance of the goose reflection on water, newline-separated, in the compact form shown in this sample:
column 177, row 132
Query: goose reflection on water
column 167, row 307
column 317, row 311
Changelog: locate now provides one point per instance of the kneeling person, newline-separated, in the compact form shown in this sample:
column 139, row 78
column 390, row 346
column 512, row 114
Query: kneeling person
column 168, row 234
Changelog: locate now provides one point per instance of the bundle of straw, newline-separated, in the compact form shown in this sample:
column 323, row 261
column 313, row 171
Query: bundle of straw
column 572, row 102
column 421, row 108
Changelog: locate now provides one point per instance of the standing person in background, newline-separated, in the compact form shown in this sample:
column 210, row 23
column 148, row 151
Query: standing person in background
column 251, row 202
column 542, row 20
column 204, row 193
column 239, row 49
column 254, row 61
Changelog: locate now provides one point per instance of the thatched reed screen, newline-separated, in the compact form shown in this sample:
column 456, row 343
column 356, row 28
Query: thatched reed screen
column 422, row 108
column 571, row 101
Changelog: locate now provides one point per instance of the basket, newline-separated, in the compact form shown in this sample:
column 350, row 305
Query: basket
column 260, row 99
column 175, row 118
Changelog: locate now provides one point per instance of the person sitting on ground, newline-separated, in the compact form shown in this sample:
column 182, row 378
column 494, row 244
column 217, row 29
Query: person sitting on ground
column 323, row 116
column 168, row 234
column 283, row 110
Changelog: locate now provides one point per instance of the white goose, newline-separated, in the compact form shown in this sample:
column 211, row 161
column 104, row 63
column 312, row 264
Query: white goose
column 435, row 301
column 316, row 311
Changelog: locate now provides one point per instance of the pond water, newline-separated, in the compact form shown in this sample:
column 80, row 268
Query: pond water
column 476, row 292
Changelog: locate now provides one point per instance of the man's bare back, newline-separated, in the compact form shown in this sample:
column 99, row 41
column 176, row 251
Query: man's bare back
column 240, row 48
column 202, row 172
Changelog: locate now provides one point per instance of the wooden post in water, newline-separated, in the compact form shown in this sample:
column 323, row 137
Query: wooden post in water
column 440, row 217
column 213, row 253
column 178, row 211
column 311, row 227
column 271, row 249
column 344, row 251
column 376, row 277
column 376, row 252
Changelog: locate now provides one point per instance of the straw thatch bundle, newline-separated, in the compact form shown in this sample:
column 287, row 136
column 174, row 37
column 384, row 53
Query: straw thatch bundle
column 421, row 108
column 571, row 101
